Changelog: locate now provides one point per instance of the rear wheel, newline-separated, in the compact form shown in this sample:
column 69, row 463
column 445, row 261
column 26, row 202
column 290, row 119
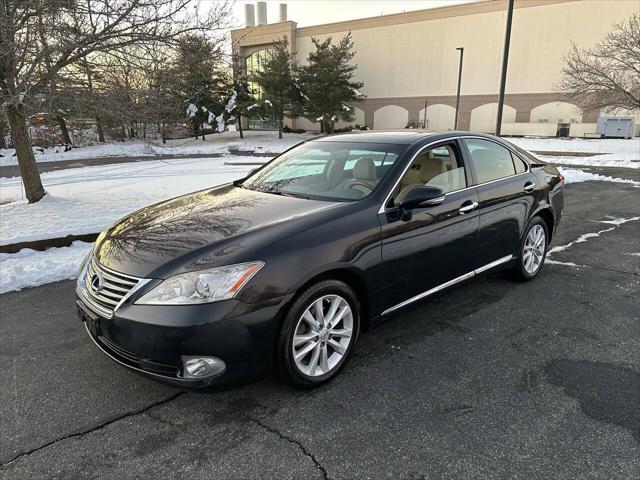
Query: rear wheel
column 319, row 334
column 533, row 251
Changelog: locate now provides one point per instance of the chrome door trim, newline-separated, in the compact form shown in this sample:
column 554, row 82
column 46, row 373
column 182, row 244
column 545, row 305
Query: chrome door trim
column 450, row 283
column 383, row 209
column 489, row 266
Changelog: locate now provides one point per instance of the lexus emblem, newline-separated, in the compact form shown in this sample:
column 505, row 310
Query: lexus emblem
column 97, row 283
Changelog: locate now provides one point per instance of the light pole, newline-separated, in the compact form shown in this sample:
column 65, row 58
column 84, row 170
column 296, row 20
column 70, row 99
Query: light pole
column 455, row 122
column 505, row 61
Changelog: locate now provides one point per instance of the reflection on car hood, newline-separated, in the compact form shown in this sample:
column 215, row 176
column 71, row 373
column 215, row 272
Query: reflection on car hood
column 163, row 233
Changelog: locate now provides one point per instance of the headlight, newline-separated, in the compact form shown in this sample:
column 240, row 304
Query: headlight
column 202, row 286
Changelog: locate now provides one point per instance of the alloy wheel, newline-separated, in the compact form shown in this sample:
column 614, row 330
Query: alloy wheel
column 534, row 246
column 322, row 335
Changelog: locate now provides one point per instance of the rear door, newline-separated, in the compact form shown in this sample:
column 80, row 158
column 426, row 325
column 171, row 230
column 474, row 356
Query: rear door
column 506, row 193
column 429, row 246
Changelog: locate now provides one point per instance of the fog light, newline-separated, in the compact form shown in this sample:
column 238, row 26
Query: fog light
column 201, row 367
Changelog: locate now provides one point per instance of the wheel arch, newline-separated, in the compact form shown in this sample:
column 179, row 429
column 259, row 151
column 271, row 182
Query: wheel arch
column 549, row 219
column 351, row 277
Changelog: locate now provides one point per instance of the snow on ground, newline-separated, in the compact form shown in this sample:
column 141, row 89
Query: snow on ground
column 572, row 175
column 30, row 268
column 87, row 200
column 259, row 141
column 610, row 152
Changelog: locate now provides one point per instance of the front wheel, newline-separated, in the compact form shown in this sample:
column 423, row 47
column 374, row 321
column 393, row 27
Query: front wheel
column 318, row 334
column 533, row 251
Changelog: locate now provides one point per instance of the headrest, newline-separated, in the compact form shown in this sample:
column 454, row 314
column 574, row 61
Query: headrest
column 430, row 168
column 365, row 169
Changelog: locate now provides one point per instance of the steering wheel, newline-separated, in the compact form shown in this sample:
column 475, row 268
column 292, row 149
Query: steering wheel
column 353, row 183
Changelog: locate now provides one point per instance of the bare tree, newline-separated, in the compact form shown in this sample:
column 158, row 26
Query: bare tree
column 39, row 38
column 607, row 75
column 3, row 128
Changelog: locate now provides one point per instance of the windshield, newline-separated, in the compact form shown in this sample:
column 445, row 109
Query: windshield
column 325, row 170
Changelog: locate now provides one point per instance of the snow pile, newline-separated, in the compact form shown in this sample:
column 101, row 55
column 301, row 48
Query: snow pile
column 577, row 176
column 87, row 200
column 608, row 152
column 30, row 268
column 216, row 143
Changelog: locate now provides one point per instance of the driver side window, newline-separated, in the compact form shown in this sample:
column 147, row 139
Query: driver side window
column 440, row 167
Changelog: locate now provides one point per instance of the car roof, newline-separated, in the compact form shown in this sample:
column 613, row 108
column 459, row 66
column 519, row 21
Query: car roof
column 398, row 137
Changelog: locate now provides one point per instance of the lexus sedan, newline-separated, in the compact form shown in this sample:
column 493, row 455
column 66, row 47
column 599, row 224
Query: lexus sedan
column 284, row 268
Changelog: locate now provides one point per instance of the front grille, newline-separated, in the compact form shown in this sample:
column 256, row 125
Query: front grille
column 104, row 289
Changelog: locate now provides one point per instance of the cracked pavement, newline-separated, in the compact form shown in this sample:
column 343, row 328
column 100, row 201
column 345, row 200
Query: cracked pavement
column 493, row 379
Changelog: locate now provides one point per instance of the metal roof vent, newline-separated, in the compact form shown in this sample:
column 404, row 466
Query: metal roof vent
column 262, row 13
column 249, row 15
column 283, row 12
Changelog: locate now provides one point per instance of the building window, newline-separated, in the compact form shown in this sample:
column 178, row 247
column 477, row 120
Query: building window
column 254, row 63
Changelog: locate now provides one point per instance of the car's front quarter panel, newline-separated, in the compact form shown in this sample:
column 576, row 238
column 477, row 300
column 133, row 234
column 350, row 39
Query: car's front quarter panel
column 346, row 240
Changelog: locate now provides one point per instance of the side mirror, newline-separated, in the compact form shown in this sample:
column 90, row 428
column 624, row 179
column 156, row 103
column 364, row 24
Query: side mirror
column 238, row 182
column 422, row 196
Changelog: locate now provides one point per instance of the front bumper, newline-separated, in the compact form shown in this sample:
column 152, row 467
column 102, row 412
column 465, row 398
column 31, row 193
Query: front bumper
column 151, row 340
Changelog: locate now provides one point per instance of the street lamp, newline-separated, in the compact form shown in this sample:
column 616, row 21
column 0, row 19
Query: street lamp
column 505, row 61
column 455, row 122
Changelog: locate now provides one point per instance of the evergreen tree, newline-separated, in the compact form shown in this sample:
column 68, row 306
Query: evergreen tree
column 327, row 84
column 279, row 93
column 201, row 81
column 241, row 96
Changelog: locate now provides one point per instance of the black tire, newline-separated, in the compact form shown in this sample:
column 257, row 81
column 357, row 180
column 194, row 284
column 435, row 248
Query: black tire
column 285, row 351
column 518, row 272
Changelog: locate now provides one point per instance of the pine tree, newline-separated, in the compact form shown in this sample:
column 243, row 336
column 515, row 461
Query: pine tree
column 327, row 84
column 279, row 93
column 241, row 96
column 201, row 81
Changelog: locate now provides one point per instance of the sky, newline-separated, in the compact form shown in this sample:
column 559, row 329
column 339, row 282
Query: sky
column 315, row 12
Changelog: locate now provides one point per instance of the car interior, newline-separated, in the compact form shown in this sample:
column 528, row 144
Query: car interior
column 438, row 167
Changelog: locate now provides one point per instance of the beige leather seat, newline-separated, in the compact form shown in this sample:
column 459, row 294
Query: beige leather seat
column 364, row 176
column 428, row 167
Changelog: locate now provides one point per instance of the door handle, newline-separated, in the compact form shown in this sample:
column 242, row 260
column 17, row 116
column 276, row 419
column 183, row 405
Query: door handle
column 529, row 187
column 467, row 207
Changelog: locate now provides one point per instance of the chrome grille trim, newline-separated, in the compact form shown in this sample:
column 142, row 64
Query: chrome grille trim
column 117, row 287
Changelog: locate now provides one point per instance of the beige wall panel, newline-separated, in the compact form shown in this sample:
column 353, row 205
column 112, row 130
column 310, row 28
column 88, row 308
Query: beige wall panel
column 306, row 124
column 391, row 116
column 483, row 118
column 542, row 36
column 535, row 129
column 555, row 112
column 440, row 117
column 420, row 58
column 581, row 129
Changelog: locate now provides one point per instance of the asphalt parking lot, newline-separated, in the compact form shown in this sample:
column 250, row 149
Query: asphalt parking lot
column 491, row 380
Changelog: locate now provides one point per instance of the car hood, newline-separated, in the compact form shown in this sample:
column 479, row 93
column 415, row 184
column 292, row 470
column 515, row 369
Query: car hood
column 196, row 230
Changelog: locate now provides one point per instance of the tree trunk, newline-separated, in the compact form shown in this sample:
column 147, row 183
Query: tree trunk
column 66, row 139
column 202, row 128
column 240, row 125
column 99, row 129
column 280, row 122
column 3, row 144
column 26, row 161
